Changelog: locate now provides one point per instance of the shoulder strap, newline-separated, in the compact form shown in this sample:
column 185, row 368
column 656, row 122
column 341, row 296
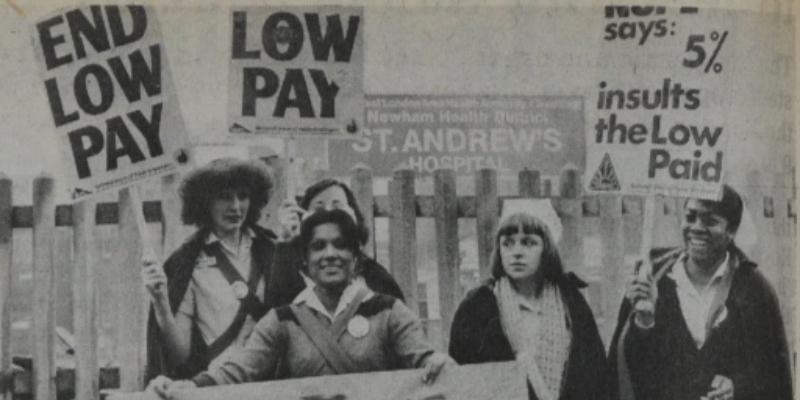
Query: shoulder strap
column 340, row 324
column 323, row 340
column 252, row 305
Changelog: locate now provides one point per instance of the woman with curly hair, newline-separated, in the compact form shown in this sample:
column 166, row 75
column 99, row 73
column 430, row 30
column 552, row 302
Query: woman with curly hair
column 532, row 311
column 209, row 293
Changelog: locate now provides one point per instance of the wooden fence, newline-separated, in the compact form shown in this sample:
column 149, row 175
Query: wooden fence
column 601, row 234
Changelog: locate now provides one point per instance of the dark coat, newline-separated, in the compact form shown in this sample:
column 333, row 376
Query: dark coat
column 749, row 345
column 477, row 336
column 179, row 268
column 287, row 282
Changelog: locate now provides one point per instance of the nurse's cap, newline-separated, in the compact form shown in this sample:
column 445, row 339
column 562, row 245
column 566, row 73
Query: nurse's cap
column 541, row 209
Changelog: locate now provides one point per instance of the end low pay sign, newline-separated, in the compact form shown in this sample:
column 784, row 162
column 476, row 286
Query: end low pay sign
column 111, row 96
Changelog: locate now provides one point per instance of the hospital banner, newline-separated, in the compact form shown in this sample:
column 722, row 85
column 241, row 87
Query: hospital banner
column 111, row 96
column 465, row 133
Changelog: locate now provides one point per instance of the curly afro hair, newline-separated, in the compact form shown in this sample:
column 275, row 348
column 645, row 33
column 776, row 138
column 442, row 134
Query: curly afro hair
column 201, row 186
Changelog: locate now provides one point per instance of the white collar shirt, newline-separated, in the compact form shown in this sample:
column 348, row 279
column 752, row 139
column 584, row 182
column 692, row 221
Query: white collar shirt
column 696, row 304
column 309, row 297
column 240, row 257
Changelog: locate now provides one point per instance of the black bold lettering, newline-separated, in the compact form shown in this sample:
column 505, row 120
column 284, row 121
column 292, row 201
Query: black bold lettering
column 290, row 34
column 659, row 158
column 327, row 92
column 139, row 27
column 333, row 38
column 56, row 106
column 294, row 80
column 81, row 152
column 251, row 90
column 150, row 129
column 141, row 75
column 115, row 128
column 106, row 85
column 93, row 32
column 239, row 50
column 706, row 135
column 49, row 43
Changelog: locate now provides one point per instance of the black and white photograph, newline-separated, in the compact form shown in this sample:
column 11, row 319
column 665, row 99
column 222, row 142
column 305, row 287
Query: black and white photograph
column 400, row 200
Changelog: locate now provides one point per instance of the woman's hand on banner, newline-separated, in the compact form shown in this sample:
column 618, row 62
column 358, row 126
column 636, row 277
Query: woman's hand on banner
column 434, row 365
column 155, row 280
column 165, row 387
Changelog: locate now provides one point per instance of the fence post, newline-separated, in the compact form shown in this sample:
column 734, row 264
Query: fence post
column 530, row 184
column 6, row 246
column 44, row 213
column 571, row 213
column 403, row 234
column 361, row 184
column 667, row 225
column 132, row 300
column 784, row 243
column 84, row 301
column 487, row 210
column 445, row 206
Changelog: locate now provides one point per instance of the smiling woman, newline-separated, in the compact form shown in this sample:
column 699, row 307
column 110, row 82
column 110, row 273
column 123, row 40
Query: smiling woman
column 336, row 326
column 209, row 293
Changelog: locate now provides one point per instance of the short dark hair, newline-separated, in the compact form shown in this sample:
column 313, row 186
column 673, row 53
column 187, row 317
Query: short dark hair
column 201, row 186
column 730, row 207
column 319, row 187
column 340, row 218
column 553, row 269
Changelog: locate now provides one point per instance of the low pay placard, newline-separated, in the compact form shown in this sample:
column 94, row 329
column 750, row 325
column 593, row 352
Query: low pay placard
column 111, row 96
column 296, row 71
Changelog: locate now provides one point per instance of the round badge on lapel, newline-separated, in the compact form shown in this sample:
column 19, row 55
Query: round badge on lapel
column 240, row 289
column 358, row 327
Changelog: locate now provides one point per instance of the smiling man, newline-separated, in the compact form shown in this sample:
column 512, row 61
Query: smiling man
column 716, row 332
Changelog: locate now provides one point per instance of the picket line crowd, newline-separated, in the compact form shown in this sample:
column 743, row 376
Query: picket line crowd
column 238, row 303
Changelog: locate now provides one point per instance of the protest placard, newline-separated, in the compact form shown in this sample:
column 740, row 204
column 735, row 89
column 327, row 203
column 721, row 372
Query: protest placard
column 466, row 133
column 296, row 71
column 111, row 96
column 667, row 132
column 469, row 382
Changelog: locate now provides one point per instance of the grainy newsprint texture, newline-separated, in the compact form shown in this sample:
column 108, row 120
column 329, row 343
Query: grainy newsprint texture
column 534, row 199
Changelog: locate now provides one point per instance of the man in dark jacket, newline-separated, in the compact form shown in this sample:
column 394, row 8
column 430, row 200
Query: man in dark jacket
column 716, row 331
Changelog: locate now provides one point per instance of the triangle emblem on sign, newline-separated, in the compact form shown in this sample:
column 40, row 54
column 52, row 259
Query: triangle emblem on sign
column 605, row 179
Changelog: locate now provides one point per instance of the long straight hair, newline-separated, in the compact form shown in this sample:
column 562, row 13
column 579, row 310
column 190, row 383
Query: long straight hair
column 551, row 265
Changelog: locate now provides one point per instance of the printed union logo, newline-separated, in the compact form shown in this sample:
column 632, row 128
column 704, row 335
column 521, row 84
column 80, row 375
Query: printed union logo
column 236, row 128
column 605, row 179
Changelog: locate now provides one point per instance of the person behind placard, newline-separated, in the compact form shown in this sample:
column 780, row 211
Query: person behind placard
column 532, row 311
column 716, row 332
column 208, row 294
column 326, row 194
column 336, row 326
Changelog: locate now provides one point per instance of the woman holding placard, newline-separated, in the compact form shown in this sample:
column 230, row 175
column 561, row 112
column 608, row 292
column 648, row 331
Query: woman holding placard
column 209, row 293
column 335, row 326
column 532, row 311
